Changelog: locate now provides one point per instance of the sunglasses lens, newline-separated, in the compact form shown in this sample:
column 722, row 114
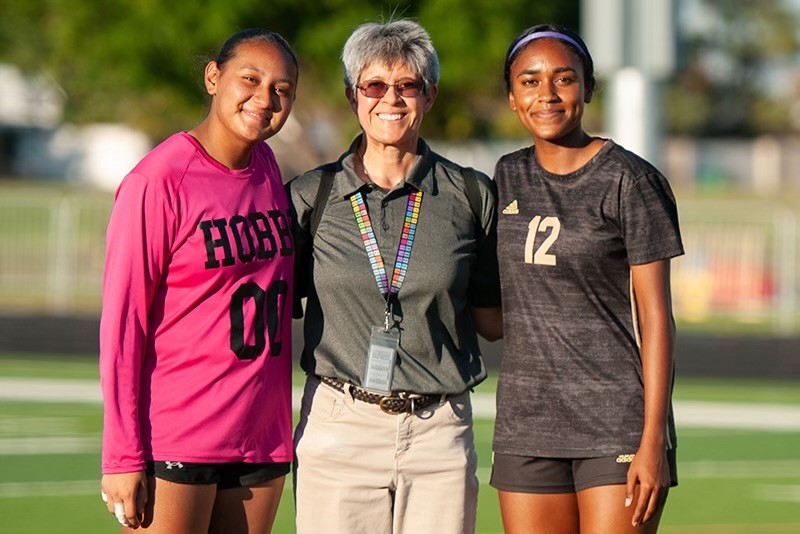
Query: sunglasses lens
column 375, row 89
column 378, row 89
column 408, row 89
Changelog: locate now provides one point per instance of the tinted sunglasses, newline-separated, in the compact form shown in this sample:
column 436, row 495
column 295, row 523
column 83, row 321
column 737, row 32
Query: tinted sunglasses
column 377, row 89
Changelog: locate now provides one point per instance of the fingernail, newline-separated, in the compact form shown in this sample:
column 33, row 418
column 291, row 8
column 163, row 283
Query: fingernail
column 628, row 503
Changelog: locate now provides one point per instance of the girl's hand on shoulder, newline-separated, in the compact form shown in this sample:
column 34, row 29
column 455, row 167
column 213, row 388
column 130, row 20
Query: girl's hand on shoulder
column 648, row 482
column 125, row 495
column 488, row 322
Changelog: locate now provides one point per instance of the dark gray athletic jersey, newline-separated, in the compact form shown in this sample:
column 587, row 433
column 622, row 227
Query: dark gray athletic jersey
column 570, row 382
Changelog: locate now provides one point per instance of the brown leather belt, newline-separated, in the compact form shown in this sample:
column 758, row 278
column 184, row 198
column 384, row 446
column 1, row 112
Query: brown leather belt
column 397, row 403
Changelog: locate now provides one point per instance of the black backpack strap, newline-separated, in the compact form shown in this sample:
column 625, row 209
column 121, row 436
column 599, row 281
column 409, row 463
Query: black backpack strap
column 321, row 200
column 302, row 272
column 473, row 194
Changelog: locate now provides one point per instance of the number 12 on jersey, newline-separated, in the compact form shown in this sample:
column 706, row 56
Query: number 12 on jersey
column 540, row 256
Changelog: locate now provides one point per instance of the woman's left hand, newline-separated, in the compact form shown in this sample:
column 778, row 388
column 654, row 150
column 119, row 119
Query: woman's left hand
column 648, row 475
column 648, row 482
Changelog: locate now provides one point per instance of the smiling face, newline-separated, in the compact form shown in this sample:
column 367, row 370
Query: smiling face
column 254, row 92
column 548, row 91
column 391, row 120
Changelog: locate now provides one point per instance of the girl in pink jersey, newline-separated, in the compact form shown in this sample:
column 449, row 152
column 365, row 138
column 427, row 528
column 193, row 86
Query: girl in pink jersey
column 195, row 351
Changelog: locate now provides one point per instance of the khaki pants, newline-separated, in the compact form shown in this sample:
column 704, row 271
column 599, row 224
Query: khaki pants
column 360, row 470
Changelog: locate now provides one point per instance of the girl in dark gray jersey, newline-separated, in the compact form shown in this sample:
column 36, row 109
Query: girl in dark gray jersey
column 584, row 437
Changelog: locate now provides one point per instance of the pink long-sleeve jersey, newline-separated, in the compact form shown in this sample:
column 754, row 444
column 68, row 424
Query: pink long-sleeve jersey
column 195, row 334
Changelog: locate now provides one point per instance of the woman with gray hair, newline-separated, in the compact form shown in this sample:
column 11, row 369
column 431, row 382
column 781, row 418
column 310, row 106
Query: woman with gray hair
column 385, row 442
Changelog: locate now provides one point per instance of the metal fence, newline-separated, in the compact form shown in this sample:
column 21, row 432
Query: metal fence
column 740, row 267
column 52, row 246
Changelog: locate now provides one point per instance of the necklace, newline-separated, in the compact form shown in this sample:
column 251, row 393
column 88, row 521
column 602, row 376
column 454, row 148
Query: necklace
column 366, row 172
column 364, row 166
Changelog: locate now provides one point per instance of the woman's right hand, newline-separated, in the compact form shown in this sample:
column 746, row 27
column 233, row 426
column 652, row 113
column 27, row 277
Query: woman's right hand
column 125, row 495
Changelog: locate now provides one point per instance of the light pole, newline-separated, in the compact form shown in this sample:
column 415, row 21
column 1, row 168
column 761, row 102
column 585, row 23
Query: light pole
column 633, row 46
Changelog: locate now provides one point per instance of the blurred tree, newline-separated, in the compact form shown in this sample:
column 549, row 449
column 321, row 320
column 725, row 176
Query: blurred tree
column 140, row 61
column 734, row 58
column 472, row 39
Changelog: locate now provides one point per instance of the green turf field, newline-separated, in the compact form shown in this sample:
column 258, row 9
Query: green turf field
column 732, row 480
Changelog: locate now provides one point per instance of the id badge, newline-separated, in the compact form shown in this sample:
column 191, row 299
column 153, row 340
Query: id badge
column 380, row 360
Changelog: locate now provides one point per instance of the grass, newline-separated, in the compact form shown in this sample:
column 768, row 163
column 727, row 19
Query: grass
column 731, row 481
column 737, row 390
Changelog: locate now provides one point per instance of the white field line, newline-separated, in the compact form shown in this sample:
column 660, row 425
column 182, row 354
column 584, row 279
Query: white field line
column 49, row 390
column 49, row 445
column 737, row 415
column 694, row 414
column 779, row 493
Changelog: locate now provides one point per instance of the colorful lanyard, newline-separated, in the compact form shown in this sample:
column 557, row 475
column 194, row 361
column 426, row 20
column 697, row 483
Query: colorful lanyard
column 371, row 244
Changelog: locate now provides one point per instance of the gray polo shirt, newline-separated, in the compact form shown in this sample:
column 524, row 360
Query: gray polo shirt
column 453, row 266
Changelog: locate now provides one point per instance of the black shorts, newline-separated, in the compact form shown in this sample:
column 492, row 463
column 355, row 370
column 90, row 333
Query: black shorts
column 225, row 476
column 527, row 474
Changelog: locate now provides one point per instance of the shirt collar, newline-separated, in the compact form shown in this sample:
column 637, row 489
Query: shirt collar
column 420, row 177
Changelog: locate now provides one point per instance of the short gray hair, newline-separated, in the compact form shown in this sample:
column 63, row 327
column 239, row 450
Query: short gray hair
column 400, row 40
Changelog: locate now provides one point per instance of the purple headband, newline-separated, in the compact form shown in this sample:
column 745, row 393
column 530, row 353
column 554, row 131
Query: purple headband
column 539, row 35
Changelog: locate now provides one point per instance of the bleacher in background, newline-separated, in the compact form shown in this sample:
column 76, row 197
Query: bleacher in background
column 740, row 266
